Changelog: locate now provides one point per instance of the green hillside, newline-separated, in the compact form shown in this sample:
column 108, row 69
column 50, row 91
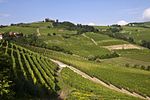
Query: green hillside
column 116, row 55
column 118, row 75
column 137, row 33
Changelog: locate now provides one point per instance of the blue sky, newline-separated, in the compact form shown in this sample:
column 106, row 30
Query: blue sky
column 101, row 12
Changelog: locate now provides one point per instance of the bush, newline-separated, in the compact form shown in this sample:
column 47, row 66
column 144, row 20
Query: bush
column 142, row 67
column 49, row 34
column 136, row 66
column 92, row 57
column 98, row 60
column 112, row 55
column 148, row 68
column 54, row 33
column 145, row 44
column 115, row 28
column 57, row 48
column 66, row 36
column 107, row 56
column 127, row 65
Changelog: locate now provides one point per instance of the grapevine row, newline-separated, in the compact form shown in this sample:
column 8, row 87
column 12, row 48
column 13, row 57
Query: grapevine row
column 29, row 69
column 47, row 79
column 21, row 65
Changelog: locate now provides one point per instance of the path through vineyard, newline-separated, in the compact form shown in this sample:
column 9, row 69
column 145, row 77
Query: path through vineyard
column 38, row 32
column 96, row 80
column 91, row 39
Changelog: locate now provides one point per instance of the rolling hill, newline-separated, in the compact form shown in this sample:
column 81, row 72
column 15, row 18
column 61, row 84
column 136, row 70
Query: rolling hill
column 113, row 54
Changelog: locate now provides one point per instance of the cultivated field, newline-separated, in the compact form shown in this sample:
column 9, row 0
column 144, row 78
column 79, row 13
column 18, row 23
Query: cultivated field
column 81, row 88
column 113, row 61
column 132, row 79
column 122, row 46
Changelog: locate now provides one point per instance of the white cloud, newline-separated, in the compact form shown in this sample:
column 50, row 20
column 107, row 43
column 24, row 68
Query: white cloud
column 146, row 14
column 91, row 24
column 122, row 22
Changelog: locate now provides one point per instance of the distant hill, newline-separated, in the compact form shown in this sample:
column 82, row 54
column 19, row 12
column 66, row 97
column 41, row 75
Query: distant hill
column 141, row 24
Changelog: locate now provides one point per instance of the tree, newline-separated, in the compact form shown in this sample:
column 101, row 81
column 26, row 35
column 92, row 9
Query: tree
column 145, row 43
column 131, row 40
column 57, row 21
column 148, row 67
column 49, row 20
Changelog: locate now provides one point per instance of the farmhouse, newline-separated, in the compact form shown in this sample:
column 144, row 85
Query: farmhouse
column 1, row 36
column 15, row 34
column 12, row 33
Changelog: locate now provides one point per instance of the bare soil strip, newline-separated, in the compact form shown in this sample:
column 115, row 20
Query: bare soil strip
column 38, row 32
column 116, row 47
column 122, row 46
column 91, row 39
column 96, row 80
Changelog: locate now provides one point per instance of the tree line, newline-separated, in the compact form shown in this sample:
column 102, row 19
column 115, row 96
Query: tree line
column 72, row 27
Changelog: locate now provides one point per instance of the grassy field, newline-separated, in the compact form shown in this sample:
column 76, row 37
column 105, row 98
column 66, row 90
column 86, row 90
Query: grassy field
column 143, row 54
column 40, row 24
column 101, row 27
column 25, row 30
column 78, row 44
column 76, row 87
column 45, row 31
column 104, row 40
column 127, row 62
column 138, row 33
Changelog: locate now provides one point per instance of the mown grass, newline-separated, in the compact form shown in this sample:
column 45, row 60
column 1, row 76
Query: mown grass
column 81, row 88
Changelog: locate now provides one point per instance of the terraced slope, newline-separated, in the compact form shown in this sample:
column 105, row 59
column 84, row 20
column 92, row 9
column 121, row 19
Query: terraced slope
column 75, row 87
column 134, row 80
column 33, row 74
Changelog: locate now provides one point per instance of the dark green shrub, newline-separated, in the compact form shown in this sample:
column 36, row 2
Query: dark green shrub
column 127, row 65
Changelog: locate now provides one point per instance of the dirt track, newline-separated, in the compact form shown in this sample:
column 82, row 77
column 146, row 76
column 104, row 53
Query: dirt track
column 122, row 46
column 91, row 39
column 96, row 80
column 38, row 32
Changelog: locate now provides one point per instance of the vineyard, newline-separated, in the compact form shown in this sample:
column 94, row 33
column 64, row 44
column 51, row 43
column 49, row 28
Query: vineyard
column 33, row 74
column 134, row 80
column 79, row 88
column 35, row 59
